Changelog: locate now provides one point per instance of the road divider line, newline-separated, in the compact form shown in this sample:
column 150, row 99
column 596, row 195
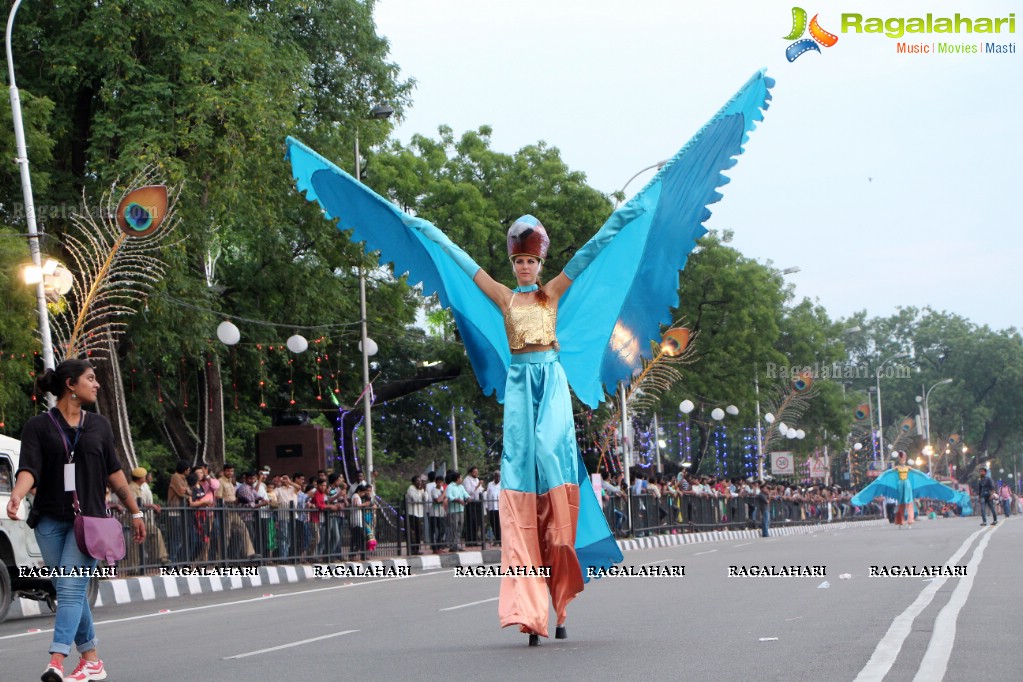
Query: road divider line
column 888, row 648
column 943, row 635
column 290, row 645
column 710, row 551
column 472, row 603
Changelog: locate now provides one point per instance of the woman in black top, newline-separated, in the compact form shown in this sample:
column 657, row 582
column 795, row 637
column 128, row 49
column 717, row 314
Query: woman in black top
column 48, row 442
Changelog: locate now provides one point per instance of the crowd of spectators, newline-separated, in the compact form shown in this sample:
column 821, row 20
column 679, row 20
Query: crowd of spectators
column 272, row 516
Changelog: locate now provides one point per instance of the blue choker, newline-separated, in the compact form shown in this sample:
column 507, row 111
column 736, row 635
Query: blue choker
column 526, row 290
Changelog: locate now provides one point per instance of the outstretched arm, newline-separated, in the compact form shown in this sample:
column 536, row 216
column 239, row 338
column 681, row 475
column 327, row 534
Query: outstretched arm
column 557, row 286
column 494, row 290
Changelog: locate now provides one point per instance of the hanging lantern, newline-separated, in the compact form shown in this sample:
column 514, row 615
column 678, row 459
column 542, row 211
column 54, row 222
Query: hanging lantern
column 371, row 347
column 732, row 410
column 717, row 413
column 769, row 418
column 686, row 406
column 228, row 333
column 297, row 343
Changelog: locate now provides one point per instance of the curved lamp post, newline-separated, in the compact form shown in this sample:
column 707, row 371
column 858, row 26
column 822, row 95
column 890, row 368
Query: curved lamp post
column 26, row 188
column 927, row 420
column 366, row 345
column 880, row 420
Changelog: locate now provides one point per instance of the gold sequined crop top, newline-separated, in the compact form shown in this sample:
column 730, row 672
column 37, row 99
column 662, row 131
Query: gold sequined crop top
column 903, row 472
column 532, row 324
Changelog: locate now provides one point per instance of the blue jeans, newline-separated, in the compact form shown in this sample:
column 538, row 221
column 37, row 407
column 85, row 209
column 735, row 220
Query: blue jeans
column 73, row 623
column 986, row 504
column 765, row 523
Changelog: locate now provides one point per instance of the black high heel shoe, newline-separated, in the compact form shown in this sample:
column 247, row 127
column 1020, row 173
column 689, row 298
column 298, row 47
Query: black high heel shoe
column 561, row 632
column 534, row 640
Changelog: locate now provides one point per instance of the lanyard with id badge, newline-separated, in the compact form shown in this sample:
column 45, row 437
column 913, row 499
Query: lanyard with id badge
column 69, row 452
column 100, row 537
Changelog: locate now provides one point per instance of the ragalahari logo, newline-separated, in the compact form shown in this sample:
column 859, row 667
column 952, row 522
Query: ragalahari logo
column 817, row 35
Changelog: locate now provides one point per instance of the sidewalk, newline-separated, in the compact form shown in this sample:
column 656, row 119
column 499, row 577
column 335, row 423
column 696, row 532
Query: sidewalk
column 149, row 588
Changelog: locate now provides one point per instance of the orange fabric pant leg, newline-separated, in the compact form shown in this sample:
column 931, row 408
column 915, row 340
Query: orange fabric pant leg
column 904, row 514
column 538, row 530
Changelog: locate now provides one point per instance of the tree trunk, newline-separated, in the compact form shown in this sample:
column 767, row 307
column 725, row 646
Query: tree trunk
column 112, row 403
column 703, row 444
column 211, row 415
column 180, row 436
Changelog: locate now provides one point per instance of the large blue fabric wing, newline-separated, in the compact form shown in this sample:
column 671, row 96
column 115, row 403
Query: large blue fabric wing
column 595, row 546
column 963, row 500
column 887, row 485
column 404, row 241
column 926, row 487
column 608, row 316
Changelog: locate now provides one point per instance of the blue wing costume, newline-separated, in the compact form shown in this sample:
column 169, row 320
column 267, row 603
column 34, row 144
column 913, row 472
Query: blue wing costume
column 963, row 500
column 920, row 486
column 613, row 308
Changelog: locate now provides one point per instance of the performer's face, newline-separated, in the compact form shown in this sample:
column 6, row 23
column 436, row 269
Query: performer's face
column 527, row 269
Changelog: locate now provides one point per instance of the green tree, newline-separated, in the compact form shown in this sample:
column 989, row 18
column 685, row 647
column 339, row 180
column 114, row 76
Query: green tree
column 984, row 402
column 208, row 91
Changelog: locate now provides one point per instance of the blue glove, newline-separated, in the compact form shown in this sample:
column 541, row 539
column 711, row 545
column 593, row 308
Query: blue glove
column 461, row 258
column 584, row 256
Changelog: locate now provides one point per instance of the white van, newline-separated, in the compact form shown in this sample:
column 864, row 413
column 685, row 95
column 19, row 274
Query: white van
column 18, row 542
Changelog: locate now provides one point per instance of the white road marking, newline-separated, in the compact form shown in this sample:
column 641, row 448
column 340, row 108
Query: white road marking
column 472, row 603
column 888, row 648
column 707, row 552
column 743, row 544
column 935, row 662
column 165, row 612
column 288, row 646
column 654, row 563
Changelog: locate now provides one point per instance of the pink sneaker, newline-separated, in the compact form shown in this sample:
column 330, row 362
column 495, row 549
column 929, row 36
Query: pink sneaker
column 54, row 672
column 88, row 670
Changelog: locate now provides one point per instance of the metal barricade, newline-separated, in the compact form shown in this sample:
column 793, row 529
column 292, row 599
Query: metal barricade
column 235, row 535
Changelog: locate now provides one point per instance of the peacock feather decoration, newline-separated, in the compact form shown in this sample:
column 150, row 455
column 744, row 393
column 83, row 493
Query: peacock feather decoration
column 792, row 400
column 661, row 371
column 900, row 436
column 117, row 263
column 656, row 377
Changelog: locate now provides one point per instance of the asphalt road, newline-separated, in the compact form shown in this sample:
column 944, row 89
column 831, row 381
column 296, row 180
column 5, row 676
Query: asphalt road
column 703, row 626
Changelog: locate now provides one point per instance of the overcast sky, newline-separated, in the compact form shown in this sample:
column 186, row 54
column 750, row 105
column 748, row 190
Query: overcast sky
column 888, row 179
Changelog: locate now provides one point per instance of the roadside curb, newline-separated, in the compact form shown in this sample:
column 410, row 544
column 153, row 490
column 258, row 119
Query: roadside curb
column 718, row 535
column 151, row 588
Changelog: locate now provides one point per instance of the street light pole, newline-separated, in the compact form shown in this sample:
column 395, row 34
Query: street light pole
column 380, row 111
column 760, row 433
column 880, row 421
column 927, row 422
column 26, row 188
column 659, row 165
